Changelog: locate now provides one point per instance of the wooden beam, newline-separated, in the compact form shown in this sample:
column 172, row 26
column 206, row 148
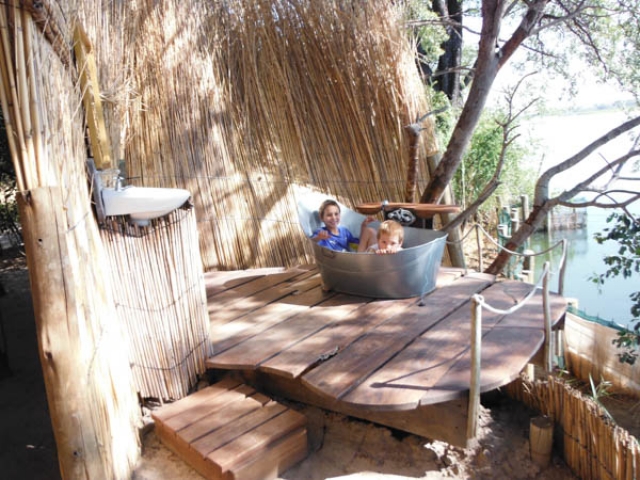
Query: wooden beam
column 86, row 65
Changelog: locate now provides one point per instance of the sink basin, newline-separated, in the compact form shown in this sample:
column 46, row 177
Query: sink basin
column 142, row 204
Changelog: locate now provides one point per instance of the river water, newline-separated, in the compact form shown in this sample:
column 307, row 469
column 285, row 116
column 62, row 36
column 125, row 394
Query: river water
column 557, row 138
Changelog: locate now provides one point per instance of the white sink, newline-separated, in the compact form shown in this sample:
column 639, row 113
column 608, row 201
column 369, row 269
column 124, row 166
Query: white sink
column 142, row 203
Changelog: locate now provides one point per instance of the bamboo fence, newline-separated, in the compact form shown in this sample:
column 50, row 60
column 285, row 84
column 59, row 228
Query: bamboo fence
column 161, row 300
column 245, row 101
column 93, row 405
column 593, row 446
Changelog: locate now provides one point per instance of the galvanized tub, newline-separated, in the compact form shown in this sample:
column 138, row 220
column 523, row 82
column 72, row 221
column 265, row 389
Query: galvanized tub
column 410, row 272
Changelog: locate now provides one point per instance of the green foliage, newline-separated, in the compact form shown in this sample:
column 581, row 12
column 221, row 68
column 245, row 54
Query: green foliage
column 600, row 391
column 430, row 34
column 446, row 120
column 9, row 222
column 626, row 232
column 480, row 162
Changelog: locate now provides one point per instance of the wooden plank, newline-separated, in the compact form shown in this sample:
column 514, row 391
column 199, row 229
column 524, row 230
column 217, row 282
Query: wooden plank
column 444, row 421
column 329, row 341
column 505, row 353
column 341, row 373
column 229, row 334
column 215, row 440
column 258, row 284
column 407, row 380
column 171, row 409
column 281, row 456
column 218, row 418
column 253, row 442
column 252, row 352
column 248, row 298
column 208, row 407
column 506, row 349
column 199, row 463
column 219, row 281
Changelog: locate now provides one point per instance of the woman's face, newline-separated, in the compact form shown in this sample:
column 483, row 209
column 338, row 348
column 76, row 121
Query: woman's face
column 331, row 217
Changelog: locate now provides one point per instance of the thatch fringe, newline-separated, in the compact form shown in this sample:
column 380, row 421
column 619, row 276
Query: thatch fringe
column 247, row 99
column 593, row 446
column 161, row 301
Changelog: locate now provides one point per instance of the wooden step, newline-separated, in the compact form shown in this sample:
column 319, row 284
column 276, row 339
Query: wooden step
column 229, row 431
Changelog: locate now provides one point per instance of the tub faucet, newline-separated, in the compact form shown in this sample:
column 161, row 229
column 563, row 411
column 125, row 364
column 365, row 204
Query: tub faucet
column 119, row 180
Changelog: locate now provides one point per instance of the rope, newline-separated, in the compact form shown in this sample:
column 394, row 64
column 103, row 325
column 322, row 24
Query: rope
column 480, row 299
column 562, row 242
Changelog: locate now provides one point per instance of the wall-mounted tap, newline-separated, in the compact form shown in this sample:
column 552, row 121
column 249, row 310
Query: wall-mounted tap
column 118, row 182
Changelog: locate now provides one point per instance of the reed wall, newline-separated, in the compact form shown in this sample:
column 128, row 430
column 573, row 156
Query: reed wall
column 590, row 353
column 92, row 402
column 243, row 102
column 160, row 300
column 593, row 446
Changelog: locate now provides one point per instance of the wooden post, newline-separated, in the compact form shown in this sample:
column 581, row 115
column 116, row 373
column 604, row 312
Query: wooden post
column 474, row 384
column 563, row 267
column 56, row 326
column 96, row 437
column 541, row 440
column 525, row 206
column 86, row 64
column 480, row 252
column 548, row 335
column 529, row 265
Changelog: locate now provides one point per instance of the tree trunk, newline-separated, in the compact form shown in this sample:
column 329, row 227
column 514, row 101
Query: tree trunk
column 447, row 80
column 485, row 74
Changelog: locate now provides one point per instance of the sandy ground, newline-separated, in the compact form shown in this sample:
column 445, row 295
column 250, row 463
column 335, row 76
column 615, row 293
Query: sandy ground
column 342, row 447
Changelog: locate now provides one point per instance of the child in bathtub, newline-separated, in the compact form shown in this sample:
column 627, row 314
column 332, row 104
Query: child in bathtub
column 334, row 236
column 390, row 237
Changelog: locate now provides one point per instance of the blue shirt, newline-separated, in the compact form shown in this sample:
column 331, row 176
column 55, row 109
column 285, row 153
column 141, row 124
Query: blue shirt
column 340, row 242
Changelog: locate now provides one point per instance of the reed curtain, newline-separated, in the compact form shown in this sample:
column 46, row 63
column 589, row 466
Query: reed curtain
column 247, row 103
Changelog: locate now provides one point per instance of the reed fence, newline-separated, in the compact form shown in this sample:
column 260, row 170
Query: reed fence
column 592, row 445
column 161, row 302
column 247, row 99
column 92, row 403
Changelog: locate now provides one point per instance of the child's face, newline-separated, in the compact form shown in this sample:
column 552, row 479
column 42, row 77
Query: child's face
column 389, row 242
column 331, row 217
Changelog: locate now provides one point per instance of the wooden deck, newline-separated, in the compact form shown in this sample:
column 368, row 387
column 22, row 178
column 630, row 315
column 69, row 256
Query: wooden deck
column 401, row 363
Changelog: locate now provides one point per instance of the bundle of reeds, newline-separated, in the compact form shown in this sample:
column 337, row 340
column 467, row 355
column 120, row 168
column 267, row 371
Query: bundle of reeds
column 161, row 300
column 92, row 403
column 247, row 99
column 594, row 447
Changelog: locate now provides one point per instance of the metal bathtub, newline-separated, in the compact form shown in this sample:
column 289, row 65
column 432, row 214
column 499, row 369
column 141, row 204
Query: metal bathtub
column 411, row 272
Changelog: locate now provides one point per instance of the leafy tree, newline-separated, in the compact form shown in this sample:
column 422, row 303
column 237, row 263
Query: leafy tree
column 481, row 160
column 551, row 33
column 626, row 233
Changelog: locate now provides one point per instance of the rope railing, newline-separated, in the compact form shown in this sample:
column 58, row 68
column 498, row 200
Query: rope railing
column 478, row 303
column 479, row 228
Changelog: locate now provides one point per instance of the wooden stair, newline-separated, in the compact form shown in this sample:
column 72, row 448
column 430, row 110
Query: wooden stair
column 229, row 431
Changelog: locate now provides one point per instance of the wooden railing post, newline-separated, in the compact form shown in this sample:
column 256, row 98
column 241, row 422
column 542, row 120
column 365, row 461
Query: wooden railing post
column 474, row 385
column 479, row 243
column 546, row 307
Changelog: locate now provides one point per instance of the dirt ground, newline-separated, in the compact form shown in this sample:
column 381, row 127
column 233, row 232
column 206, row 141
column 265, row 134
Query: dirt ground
column 342, row 447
